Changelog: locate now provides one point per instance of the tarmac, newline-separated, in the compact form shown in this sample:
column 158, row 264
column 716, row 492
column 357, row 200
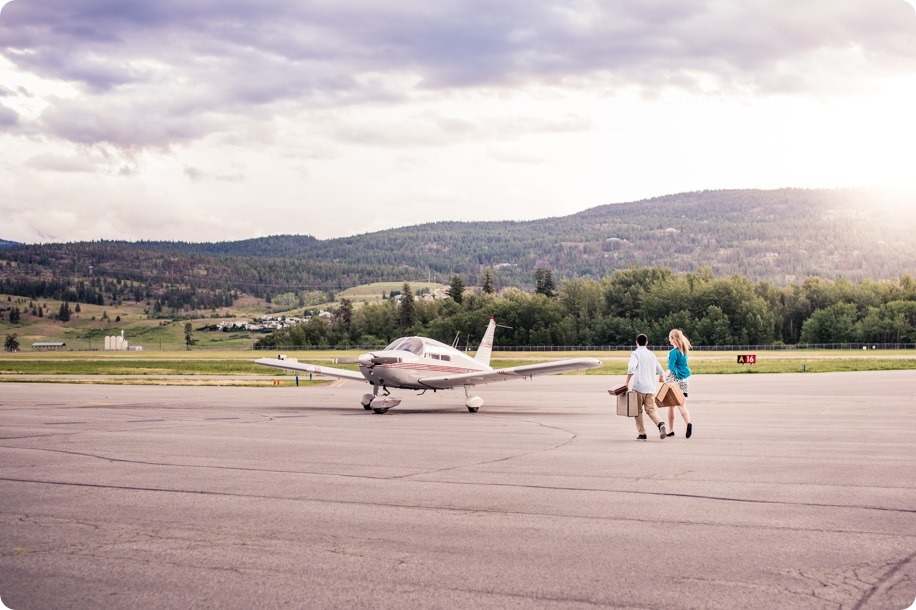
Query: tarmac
column 795, row 491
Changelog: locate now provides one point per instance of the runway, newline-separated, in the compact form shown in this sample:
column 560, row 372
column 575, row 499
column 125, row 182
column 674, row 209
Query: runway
column 795, row 491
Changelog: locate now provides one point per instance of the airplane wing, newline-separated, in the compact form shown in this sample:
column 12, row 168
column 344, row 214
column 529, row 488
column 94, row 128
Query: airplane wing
column 301, row 367
column 515, row 372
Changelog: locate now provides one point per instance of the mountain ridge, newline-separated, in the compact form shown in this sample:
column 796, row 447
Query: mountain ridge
column 780, row 236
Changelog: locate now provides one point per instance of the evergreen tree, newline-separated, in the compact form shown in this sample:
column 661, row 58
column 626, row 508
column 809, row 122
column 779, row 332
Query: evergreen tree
column 407, row 310
column 11, row 344
column 343, row 315
column 14, row 315
column 64, row 314
column 188, row 335
column 456, row 289
column 543, row 282
column 488, row 287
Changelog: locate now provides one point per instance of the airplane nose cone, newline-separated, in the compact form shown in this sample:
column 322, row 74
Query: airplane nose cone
column 372, row 359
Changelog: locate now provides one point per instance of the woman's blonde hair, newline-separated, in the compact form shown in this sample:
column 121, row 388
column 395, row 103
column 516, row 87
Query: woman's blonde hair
column 680, row 340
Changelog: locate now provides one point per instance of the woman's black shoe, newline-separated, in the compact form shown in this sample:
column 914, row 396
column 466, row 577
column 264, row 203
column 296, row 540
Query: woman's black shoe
column 689, row 430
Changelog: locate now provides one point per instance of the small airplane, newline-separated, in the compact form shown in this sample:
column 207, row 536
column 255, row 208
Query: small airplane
column 421, row 364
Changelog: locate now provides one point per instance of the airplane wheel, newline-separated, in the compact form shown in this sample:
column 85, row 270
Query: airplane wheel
column 367, row 407
column 380, row 411
column 473, row 409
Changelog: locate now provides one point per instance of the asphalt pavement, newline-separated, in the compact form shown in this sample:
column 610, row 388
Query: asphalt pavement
column 795, row 491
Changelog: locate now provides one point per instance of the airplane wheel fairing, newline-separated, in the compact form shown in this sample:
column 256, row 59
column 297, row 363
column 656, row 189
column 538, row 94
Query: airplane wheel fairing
column 381, row 411
column 367, row 407
column 381, row 404
column 473, row 403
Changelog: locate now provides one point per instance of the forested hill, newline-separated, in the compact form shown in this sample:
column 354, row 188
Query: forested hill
column 7, row 244
column 277, row 246
column 780, row 236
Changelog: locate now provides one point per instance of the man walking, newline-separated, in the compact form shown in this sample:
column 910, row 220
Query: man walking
column 645, row 366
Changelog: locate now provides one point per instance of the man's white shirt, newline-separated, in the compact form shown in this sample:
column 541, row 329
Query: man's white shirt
column 645, row 369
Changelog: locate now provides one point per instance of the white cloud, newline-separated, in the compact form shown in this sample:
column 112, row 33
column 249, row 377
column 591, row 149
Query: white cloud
column 231, row 120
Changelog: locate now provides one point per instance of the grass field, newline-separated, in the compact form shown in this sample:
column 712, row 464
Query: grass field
column 372, row 293
column 237, row 367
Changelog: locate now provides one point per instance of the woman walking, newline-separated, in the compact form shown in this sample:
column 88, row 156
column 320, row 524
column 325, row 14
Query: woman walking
column 678, row 372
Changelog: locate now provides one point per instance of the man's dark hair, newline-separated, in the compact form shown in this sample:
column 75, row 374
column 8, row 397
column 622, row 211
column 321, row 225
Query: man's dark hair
column 641, row 339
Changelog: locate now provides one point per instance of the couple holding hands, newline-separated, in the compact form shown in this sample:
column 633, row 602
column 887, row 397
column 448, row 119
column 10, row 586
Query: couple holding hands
column 644, row 367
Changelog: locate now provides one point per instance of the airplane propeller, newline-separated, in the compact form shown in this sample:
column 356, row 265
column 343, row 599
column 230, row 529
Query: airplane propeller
column 346, row 360
column 370, row 360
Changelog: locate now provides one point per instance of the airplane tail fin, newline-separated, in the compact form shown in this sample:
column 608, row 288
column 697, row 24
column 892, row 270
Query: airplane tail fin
column 486, row 344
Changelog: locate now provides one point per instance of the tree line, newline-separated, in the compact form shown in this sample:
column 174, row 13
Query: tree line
column 612, row 310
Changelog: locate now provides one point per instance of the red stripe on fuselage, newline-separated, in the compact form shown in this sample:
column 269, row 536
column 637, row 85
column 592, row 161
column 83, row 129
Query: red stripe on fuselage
column 420, row 366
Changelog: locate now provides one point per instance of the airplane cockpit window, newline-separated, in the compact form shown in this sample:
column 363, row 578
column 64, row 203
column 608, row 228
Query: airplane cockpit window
column 407, row 344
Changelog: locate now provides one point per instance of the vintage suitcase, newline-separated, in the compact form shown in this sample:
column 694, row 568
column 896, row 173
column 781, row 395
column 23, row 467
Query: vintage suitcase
column 621, row 389
column 628, row 404
column 669, row 395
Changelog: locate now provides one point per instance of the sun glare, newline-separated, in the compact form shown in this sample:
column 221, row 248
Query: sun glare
column 898, row 200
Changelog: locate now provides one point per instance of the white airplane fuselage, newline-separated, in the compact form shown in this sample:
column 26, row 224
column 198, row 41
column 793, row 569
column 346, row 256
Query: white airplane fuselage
column 400, row 368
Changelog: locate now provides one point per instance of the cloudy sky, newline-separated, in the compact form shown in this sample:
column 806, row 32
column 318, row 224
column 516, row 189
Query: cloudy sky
column 206, row 120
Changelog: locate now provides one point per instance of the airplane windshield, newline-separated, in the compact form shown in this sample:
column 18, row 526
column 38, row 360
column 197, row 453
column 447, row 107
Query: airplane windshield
column 407, row 344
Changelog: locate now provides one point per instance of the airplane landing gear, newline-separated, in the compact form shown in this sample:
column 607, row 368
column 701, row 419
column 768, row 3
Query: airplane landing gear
column 473, row 403
column 381, row 404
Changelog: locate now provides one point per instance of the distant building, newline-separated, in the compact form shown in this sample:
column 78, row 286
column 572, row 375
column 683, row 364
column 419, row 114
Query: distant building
column 262, row 324
column 49, row 345
column 117, row 343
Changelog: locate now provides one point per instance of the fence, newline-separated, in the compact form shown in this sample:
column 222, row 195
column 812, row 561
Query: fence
column 78, row 345
column 621, row 348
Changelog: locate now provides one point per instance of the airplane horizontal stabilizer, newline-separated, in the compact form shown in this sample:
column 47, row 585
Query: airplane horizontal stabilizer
column 516, row 372
column 301, row 367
